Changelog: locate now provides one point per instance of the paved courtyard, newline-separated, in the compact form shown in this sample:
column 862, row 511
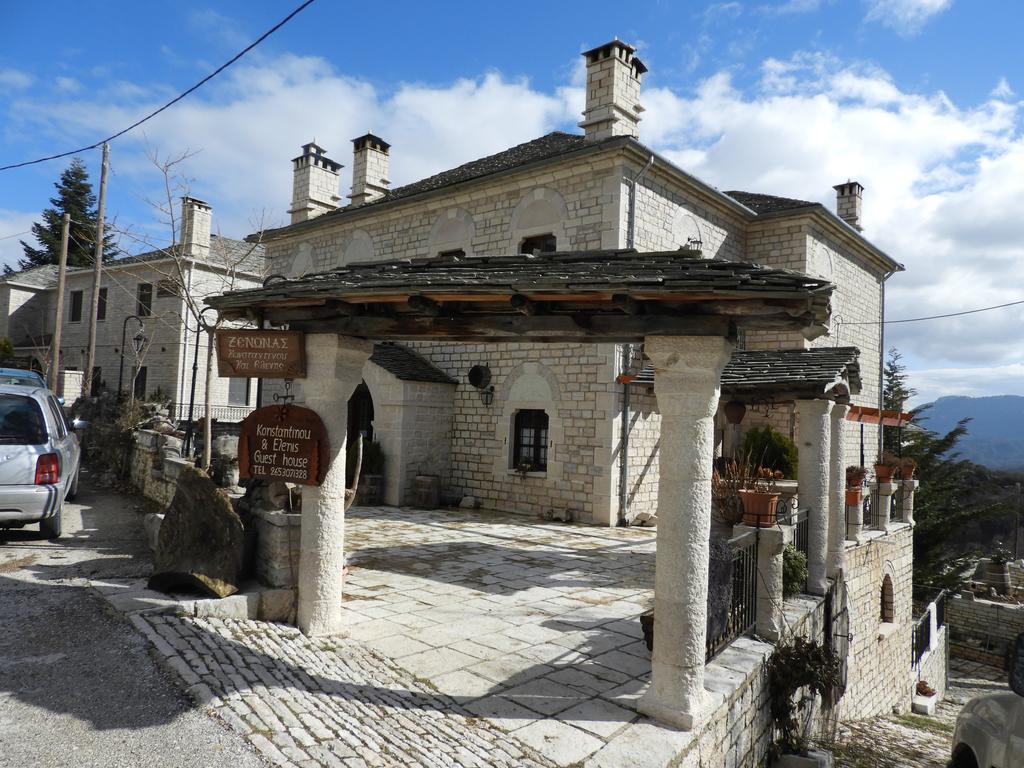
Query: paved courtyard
column 532, row 625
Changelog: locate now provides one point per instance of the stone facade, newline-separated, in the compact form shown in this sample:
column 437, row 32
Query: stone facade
column 153, row 467
column 880, row 653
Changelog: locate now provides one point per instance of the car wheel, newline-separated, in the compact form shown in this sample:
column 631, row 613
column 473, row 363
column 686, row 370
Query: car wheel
column 964, row 758
column 73, row 490
column 50, row 526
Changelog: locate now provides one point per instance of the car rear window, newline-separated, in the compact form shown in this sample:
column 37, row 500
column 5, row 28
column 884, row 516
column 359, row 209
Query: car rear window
column 21, row 421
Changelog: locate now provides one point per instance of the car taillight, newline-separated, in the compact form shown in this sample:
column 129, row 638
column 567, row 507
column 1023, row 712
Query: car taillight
column 47, row 469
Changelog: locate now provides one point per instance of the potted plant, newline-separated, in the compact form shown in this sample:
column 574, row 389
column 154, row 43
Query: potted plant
column 727, row 480
column 798, row 671
column 759, row 497
column 885, row 467
column 855, row 485
column 794, row 571
column 371, row 478
column 907, row 467
column 767, row 447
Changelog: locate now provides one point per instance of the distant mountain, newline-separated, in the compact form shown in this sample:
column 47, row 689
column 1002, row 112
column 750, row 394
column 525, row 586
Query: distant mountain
column 995, row 436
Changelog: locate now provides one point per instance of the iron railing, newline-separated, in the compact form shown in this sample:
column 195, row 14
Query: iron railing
column 179, row 412
column 921, row 638
column 743, row 607
column 787, row 512
column 896, row 505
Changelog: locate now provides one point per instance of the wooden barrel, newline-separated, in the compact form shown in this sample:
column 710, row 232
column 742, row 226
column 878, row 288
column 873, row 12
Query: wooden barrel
column 426, row 491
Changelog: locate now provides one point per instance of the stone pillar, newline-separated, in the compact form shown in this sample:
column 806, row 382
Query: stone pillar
column 687, row 373
column 881, row 495
column 334, row 368
column 908, row 489
column 837, row 490
column 812, row 479
column 771, row 542
column 855, row 521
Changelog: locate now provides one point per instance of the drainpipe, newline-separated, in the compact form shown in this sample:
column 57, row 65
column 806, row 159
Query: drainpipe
column 881, row 364
column 627, row 354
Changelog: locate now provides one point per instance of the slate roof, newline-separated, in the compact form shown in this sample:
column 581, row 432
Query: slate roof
column 44, row 276
column 784, row 371
column 225, row 252
column 550, row 145
column 762, row 204
column 666, row 272
column 407, row 365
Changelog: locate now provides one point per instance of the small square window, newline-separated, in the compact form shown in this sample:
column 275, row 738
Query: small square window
column 530, row 441
column 539, row 244
column 167, row 289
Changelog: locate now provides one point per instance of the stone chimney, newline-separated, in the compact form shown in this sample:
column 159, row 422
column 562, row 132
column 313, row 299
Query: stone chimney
column 613, row 92
column 314, row 184
column 848, row 202
column 195, row 228
column 369, row 169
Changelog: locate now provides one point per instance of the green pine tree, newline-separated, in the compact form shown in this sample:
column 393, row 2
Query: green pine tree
column 74, row 196
column 896, row 392
column 954, row 496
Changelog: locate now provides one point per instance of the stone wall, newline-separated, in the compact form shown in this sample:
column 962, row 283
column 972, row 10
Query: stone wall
column 983, row 630
column 880, row 654
column 277, row 547
column 154, row 466
column 574, row 384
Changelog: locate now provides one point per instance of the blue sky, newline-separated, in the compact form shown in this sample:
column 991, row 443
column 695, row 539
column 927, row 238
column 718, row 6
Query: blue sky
column 917, row 99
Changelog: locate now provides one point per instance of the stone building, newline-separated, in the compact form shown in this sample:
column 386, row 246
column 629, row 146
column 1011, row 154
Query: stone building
column 574, row 429
column 151, row 286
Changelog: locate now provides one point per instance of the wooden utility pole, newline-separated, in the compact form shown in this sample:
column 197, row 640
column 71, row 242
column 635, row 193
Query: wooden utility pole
column 58, row 324
column 97, row 275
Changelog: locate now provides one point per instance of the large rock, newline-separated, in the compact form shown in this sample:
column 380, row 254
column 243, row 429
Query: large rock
column 201, row 539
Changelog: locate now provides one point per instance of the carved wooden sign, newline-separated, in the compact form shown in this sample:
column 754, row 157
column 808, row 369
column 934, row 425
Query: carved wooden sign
column 248, row 353
column 283, row 442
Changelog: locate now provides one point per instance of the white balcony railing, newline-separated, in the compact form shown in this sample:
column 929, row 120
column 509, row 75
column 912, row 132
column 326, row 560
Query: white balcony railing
column 179, row 411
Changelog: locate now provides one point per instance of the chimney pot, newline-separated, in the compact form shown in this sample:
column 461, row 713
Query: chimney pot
column 314, row 183
column 370, row 169
column 195, row 228
column 848, row 203
column 613, row 91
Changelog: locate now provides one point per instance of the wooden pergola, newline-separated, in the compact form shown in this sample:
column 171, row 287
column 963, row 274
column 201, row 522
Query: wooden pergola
column 684, row 308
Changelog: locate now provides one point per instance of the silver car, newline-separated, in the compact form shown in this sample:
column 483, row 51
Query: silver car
column 39, row 458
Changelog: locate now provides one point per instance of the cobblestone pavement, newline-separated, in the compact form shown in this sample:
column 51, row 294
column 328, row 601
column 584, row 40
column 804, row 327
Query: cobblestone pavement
column 324, row 702
column 531, row 624
column 915, row 741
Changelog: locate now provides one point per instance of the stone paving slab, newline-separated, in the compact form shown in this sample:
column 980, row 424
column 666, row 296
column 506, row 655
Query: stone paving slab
column 332, row 702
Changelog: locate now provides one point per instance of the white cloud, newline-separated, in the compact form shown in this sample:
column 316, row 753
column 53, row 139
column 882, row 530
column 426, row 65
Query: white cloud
column 67, row 84
column 905, row 16
column 15, row 79
column 793, row 6
column 933, row 383
column 1002, row 90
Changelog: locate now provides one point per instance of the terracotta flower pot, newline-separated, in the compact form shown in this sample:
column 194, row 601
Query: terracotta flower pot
column 759, row 508
column 883, row 473
column 854, row 496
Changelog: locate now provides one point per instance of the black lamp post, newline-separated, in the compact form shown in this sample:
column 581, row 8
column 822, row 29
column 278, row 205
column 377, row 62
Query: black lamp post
column 139, row 341
column 200, row 325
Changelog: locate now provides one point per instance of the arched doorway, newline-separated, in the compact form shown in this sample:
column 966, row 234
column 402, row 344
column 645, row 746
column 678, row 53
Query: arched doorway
column 360, row 422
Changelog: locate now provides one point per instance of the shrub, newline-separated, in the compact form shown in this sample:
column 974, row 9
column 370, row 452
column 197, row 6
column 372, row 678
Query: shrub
column 794, row 571
column 794, row 666
column 373, row 459
column 769, row 448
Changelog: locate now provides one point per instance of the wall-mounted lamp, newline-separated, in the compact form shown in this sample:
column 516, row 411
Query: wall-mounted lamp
column 487, row 396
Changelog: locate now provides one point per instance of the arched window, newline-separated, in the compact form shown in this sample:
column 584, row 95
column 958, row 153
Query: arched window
column 530, row 441
column 546, row 243
column 887, row 602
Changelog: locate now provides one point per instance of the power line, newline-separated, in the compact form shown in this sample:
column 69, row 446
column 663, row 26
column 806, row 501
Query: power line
column 173, row 101
column 16, row 234
column 939, row 317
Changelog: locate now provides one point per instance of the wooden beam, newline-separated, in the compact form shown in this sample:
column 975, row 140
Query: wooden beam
column 523, row 305
column 424, row 306
column 587, row 329
column 628, row 304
